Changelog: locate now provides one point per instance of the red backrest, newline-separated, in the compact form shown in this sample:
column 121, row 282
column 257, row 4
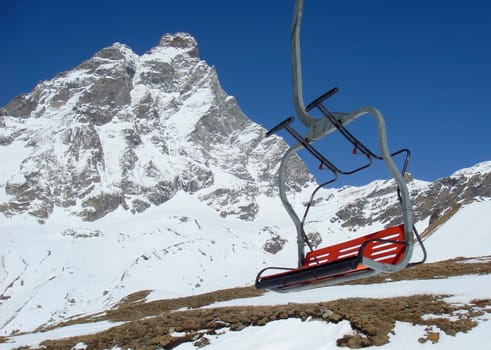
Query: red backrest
column 386, row 252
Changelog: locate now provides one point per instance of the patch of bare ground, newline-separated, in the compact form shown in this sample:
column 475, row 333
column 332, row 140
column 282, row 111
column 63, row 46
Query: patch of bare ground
column 164, row 324
column 442, row 269
column 133, row 307
column 372, row 319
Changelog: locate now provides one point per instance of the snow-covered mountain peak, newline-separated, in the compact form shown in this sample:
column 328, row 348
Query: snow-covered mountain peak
column 478, row 169
column 184, row 42
column 174, row 49
column 117, row 51
column 122, row 130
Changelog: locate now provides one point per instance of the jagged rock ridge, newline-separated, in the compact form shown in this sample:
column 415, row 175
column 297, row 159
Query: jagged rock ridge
column 430, row 200
column 122, row 130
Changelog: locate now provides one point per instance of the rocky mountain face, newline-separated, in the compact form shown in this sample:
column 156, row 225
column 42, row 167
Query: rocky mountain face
column 430, row 200
column 122, row 130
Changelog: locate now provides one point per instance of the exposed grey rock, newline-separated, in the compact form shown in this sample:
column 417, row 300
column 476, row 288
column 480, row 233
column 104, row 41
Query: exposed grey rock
column 314, row 238
column 98, row 206
column 432, row 201
column 181, row 41
column 447, row 192
column 122, row 130
column 21, row 106
column 275, row 243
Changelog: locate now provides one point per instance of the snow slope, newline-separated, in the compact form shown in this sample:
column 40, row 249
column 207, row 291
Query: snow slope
column 292, row 334
column 467, row 233
column 179, row 248
column 63, row 268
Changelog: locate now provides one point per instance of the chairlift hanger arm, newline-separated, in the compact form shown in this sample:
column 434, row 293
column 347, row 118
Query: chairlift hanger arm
column 386, row 251
column 317, row 127
column 296, row 58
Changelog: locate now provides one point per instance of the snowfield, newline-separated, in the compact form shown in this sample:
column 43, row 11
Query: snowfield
column 445, row 243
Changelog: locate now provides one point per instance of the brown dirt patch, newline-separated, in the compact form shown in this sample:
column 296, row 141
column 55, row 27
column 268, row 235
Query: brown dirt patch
column 170, row 322
column 133, row 307
column 442, row 269
column 373, row 319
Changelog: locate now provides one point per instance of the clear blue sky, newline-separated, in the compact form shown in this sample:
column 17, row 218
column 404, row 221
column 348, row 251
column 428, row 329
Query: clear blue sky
column 425, row 64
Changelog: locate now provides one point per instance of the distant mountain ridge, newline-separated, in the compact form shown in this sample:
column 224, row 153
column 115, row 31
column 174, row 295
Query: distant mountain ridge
column 430, row 200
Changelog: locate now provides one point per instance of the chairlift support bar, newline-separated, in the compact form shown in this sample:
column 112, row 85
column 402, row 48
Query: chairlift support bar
column 318, row 128
column 323, row 126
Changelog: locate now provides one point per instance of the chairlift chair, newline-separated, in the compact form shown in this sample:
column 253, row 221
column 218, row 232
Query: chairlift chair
column 386, row 251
